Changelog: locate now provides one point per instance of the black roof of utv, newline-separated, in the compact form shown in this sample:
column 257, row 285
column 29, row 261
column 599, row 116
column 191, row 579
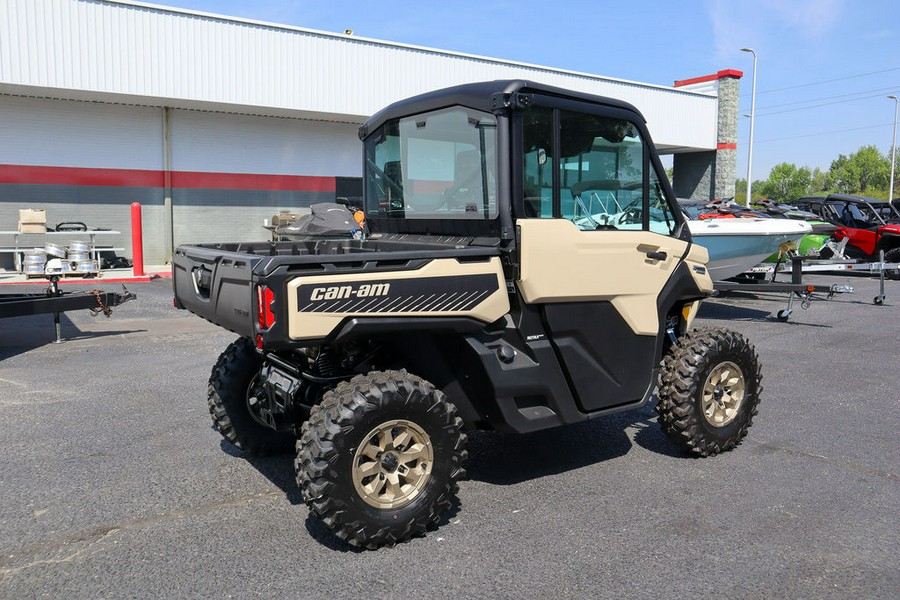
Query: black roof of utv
column 487, row 96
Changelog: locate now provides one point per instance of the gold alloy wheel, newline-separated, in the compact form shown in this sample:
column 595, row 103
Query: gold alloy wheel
column 393, row 464
column 723, row 394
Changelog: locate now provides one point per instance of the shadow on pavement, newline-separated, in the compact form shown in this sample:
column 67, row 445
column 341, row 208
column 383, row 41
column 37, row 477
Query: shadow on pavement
column 650, row 436
column 279, row 470
column 502, row 459
column 19, row 335
column 510, row 458
column 727, row 312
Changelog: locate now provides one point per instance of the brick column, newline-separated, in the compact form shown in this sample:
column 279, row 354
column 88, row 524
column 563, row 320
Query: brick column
column 709, row 175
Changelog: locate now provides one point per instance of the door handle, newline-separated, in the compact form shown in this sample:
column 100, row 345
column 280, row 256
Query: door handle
column 661, row 255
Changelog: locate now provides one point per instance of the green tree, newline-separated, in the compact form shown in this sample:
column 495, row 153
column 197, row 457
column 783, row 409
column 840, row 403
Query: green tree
column 818, row 183
column 864, row 171
column 786, row 182
column 740, row 191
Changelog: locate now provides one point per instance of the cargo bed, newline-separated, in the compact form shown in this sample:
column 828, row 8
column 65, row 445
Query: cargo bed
column 216, row 281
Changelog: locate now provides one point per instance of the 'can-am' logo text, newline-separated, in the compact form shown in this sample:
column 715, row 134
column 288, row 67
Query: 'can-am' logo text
column 337, row 292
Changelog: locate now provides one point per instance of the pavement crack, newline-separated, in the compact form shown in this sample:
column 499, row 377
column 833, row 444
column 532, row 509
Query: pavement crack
column 65, row 553
column 71, row 546
column 869, row 470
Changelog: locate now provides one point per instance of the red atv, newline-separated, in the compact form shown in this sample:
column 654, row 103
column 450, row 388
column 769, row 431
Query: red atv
column 870, row 226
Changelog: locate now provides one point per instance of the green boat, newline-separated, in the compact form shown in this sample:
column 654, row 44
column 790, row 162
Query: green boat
column 821, row 233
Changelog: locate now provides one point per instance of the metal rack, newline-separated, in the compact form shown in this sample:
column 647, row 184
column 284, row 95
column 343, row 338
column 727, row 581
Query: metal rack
column 20, row 246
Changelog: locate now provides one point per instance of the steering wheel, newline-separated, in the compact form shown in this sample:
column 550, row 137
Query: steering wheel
column 632, row 213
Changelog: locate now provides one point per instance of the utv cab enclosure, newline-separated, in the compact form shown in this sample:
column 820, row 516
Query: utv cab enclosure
column 526, row 267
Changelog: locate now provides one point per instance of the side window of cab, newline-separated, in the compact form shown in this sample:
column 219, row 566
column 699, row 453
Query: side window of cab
column 605, row 181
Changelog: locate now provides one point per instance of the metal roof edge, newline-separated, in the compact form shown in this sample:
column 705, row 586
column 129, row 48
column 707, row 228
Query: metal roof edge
column 82, row 95
column 389, row 44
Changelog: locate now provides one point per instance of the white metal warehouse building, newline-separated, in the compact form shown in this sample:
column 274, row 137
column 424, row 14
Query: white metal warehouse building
column 215, row 123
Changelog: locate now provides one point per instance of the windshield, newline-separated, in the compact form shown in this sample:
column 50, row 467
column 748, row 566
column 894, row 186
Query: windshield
column 856, row 215
column 436, row 165
column 886, row 212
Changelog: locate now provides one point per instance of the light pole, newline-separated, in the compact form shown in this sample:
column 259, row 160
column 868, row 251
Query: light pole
column 893, row 149
column 752, row 120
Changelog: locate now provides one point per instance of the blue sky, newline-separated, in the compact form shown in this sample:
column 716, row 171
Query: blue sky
column 825, row 66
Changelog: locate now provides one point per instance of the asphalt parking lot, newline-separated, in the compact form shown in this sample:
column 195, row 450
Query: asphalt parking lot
column 113, row 483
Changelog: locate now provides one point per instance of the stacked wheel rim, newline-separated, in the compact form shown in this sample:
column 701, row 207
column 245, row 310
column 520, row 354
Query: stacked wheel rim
column 33, row 262
column 55, row 250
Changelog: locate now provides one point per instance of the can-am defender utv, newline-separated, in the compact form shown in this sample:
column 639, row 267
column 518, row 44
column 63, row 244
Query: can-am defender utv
column 527, row 267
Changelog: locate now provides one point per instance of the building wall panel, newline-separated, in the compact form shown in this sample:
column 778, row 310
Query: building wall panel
column 66, row 133
column 203, row 141
column 154, row 53
column 88, row 162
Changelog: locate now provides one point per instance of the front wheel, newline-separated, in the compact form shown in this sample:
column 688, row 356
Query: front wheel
column 709, row 388
column 379, row 458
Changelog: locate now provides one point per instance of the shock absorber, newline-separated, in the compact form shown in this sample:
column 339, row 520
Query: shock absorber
column 325, row 362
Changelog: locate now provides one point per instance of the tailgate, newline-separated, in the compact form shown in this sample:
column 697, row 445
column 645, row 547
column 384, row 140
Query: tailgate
column 216, row 285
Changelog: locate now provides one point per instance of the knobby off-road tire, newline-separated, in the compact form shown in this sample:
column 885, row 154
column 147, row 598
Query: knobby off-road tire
column 379, row 458
column 892, row 256
column 230, row 384
column 709, row 388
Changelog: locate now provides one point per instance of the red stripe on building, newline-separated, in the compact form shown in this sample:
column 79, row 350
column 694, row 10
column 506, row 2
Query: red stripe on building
column 79, row 176
column 726, row 146
column 251, row 181
column 713, row 77
column 26, row 174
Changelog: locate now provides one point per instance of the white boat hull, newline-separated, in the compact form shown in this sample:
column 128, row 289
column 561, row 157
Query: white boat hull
column 737, row 245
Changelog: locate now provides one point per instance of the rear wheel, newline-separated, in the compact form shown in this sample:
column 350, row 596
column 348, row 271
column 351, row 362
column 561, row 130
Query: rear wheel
column 232, row 389
column 379, row 458
column 709, row 389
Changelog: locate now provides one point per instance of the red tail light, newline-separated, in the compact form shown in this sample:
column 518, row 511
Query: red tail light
column 264, row 298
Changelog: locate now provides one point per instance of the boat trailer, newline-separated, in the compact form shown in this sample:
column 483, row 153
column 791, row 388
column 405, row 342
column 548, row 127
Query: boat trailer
column 755, row 279
column 55, row 301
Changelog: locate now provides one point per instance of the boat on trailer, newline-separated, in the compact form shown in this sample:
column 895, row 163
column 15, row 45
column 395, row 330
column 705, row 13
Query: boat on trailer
column 737, row 245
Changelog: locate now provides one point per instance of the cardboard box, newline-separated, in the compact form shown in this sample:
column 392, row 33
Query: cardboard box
column 32, row 216
column 32, row 228
column 284, row 218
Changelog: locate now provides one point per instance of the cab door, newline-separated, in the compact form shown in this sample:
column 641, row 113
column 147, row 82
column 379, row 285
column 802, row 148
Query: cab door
column 598, row 241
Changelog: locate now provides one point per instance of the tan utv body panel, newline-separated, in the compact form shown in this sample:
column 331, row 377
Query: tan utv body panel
column 305, row 322
column 561, row 263
column 696, row 260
